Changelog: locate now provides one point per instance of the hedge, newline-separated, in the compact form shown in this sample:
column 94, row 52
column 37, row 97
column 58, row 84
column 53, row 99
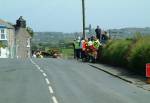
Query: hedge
column 132, row 54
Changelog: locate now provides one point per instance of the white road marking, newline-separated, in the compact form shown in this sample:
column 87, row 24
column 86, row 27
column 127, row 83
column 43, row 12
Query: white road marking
column 32, row 61
column 41, row 70
column 38, row 67
column 44, row 74
column 54, row 99
column 50, row 90
column 47, row 81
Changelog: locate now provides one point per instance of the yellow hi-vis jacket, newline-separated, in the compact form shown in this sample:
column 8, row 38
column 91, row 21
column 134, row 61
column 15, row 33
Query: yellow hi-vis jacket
column 96, row 44
column 77, row 45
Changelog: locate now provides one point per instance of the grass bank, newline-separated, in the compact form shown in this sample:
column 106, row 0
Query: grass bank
column 132, row 54
column 68, row 53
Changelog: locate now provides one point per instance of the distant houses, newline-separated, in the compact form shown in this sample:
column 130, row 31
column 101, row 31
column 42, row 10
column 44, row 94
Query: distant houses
column 14, row 39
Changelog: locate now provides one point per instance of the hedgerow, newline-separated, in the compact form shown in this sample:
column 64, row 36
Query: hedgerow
column 132, row 54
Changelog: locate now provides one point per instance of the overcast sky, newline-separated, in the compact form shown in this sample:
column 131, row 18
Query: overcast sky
column 66, row 15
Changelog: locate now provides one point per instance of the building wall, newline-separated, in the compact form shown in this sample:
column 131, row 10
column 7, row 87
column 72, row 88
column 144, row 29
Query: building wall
column 11, row 42
column 16, row 38
column 22, row 43
column 7, row 36
column 4, row 52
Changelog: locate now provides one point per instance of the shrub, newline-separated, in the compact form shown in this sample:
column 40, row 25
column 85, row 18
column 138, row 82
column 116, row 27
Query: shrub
column 130, row 53
column 115, row 52
column 140, row 55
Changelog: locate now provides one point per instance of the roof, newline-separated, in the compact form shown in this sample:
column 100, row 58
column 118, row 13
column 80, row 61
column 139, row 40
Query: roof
column 6, row 24
column 22, row 32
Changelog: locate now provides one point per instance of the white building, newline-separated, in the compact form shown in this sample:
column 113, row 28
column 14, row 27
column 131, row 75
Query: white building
column 6, row 39
column 14, row 39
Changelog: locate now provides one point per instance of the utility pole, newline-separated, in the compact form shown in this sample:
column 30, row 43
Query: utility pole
column 83, row 15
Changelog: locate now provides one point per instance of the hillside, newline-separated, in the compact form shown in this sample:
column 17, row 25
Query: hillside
column 128, row 32
column 55, row 37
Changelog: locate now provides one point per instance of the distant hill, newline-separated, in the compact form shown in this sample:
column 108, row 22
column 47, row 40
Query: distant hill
column 55, row 37
column 128, row 32
column 52, row 37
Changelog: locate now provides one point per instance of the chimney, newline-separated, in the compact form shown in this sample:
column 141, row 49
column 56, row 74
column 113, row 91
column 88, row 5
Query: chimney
column 21, row 23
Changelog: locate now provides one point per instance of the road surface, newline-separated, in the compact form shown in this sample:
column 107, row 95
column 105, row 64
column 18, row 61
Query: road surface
column 63, row 81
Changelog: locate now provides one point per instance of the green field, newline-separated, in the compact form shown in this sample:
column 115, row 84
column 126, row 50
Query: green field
column 67, row 53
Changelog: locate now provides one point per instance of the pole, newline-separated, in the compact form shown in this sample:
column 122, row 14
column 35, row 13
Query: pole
column 90, row 29
column 83, row 15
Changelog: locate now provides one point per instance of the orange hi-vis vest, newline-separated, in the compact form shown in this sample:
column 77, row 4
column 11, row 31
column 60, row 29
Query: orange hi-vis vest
column 84, row 45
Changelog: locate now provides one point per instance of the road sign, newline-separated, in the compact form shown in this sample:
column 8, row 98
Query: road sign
column 148, row 70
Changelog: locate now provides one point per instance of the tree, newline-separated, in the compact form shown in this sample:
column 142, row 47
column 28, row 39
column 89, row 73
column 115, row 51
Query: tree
column 2, row 44
column 30, row 31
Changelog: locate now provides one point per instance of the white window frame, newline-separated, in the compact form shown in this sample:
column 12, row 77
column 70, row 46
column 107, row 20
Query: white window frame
column 3, row 33
column 28, row 42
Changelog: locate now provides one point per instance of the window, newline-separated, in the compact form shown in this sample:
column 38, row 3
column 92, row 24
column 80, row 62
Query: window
column 28, row 42
column 2, row 31
column 2, row 36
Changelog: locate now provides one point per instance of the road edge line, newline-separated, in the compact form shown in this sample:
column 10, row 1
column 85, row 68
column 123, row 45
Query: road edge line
column 111, row 74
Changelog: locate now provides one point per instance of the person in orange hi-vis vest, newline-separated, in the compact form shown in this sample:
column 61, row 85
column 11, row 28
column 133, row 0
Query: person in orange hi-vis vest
column 84, row 47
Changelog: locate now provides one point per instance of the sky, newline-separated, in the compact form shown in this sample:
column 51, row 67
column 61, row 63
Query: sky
column 66, row 15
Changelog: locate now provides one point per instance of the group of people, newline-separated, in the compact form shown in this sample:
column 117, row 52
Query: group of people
column 88, row 49
column 103, row 36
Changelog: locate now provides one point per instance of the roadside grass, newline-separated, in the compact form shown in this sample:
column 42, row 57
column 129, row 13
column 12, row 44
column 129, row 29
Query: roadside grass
column 115, row 52
column 140, row 55
column 67, row 53
column 132, row 54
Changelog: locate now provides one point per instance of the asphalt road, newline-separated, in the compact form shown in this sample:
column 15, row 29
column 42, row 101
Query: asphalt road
column 63, row 81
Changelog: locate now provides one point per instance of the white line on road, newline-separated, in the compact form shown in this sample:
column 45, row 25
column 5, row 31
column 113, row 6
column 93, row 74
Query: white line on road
column 41, row 70
column 54, row 99
column 47, row 81
column 50, row 90
column 44, row 75
column 38, row 67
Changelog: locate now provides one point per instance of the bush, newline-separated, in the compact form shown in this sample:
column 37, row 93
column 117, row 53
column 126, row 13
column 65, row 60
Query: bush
column 140, row 55
column 115, row 52
column 132, row 54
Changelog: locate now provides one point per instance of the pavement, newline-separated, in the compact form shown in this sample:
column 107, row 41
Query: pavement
column 123, row 74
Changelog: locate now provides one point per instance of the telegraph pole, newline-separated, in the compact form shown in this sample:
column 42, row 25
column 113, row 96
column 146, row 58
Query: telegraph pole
column 83, row 15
